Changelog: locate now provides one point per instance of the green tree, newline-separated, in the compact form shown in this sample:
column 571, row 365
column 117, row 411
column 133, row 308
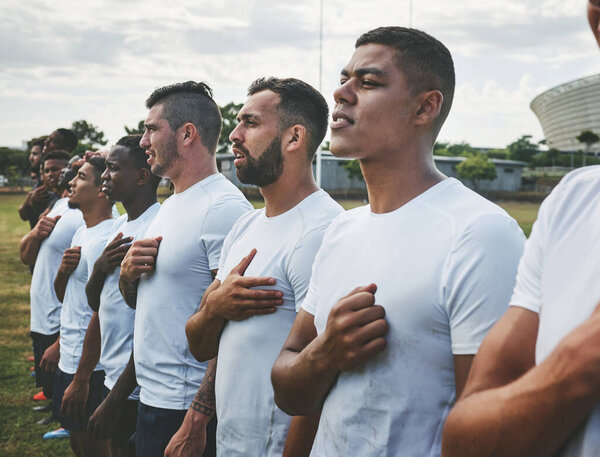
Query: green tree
column 588, row 138
column 353, row 170
column 523, row 149
column 476, row 169
column 88, row 133
column 229, row 113
column 139, row 130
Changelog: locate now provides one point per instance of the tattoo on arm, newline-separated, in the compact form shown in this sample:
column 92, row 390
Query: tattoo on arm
column 204, row 402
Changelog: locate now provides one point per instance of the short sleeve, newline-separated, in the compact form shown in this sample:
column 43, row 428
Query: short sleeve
column 218, row 222
column 480, row 276
column 221, row 274
column 301, row 261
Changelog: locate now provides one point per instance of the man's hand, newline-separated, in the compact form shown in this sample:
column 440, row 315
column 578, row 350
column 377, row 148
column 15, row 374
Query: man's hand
column 234, row 300
column 75, row 399
column 140, row 258
column 190, row 439
column 39, row 195
column 50, row 358
column 70, row 260
column 103, row 422
column 44, row 227
column 113, row 254
column 355, row 330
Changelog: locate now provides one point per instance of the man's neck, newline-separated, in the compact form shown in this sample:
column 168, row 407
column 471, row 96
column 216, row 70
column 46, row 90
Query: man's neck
column 398, row 178
column 191, row 169
column 290, row 189
column 97, row 214
column 138, row 204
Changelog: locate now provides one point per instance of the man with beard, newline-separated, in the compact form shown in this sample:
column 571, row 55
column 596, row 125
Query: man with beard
column 78, row 374
column 166, row 283
column 45, row 194
column 127, row 179
column 535, row 383
column 280, row 127
column 44, row 247
column 404, row 289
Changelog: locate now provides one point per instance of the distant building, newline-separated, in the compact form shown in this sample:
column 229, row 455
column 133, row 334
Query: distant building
column 335, row 180
column 566, row 110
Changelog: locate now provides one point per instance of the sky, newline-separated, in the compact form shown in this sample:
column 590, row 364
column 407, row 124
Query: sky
column 99, row 60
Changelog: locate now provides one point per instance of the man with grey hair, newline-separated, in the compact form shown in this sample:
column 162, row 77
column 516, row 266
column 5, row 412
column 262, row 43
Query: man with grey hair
column 164, row 275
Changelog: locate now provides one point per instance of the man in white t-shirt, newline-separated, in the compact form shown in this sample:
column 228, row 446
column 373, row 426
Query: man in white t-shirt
column 264, row 272
column 535, row 383
column 78, row 381
column 44, row 247
column 165, row 274
column 403, row 290
column 127, row 179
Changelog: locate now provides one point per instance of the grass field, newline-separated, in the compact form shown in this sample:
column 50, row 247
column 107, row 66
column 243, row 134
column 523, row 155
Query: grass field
column 19, row 434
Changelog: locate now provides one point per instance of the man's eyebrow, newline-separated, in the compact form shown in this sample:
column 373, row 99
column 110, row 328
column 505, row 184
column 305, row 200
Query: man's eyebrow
column 246, row 116
column 366, row 71
column 149, row 124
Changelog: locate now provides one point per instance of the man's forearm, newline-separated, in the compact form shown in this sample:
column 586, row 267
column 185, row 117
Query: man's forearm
column 29, row 248
column 549, row 401
column 129, row 292
column 60, row 285
column 203, row 333
column 91, row 351
column 301, row 380
column 93, row 288
column 204, row 401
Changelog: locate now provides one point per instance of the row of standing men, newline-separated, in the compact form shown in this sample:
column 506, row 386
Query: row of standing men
column 303, row 328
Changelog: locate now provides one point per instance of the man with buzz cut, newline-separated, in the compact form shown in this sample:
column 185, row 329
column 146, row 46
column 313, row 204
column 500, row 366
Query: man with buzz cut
column 127, row 179
column 535, row 385
column 266, row 262
column 78, row 381
column 404, row 289
column 164, row 275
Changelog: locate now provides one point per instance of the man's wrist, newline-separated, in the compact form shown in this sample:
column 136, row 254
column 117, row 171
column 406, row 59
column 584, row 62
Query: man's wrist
column 201, row 413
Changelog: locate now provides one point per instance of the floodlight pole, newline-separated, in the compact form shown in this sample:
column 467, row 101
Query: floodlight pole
column 319, row 158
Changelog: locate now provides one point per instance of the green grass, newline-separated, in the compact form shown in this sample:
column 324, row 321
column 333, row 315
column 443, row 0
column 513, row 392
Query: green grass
column 19, row 434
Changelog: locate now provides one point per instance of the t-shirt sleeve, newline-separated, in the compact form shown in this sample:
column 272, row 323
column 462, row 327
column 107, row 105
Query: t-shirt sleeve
column 528, row 290
column 217, row 224
column 480, row 276
column 221, row 274
column 301, row 261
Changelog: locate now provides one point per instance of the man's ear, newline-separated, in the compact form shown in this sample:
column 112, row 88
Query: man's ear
column 143, row 176
column 429, row 107
column 295, row 138
column 188, row 133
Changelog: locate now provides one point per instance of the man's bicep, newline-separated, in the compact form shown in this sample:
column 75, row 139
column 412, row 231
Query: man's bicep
column 462, row 367
column 506, row 353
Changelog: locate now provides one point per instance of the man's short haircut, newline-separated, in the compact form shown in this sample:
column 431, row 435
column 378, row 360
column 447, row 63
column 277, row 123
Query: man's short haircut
column 425, row 62
column 190, row 102
column 300, row 103
column 98, row 166
column 56, row 155
column 66, row 139
column 138, row 155
column 37, row 142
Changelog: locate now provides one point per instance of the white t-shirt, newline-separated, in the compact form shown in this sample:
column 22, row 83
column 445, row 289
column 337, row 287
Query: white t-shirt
column 249, row 421
column 76, row 313
column 444, row 265
column 116, row 318
column 193, row 225
column 558, row 276
column 45, row 307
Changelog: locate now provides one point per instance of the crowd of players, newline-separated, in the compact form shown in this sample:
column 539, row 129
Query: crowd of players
column 202, row 326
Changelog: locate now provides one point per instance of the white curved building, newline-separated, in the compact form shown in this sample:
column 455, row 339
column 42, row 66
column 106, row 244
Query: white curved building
column 566, row 110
